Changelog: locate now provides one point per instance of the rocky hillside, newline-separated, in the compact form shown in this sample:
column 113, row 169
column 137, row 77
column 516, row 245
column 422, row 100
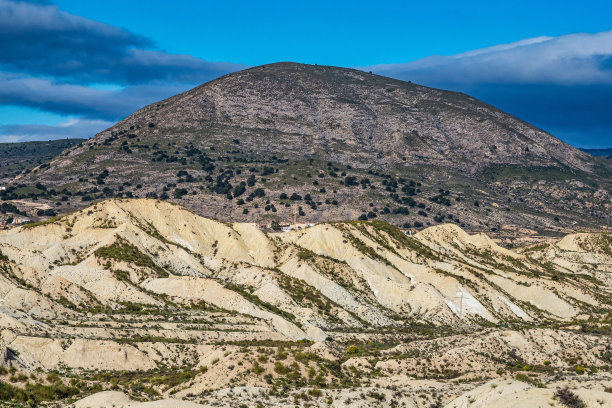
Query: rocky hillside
column 344, row 144
column 150, row 300
column 296, row 111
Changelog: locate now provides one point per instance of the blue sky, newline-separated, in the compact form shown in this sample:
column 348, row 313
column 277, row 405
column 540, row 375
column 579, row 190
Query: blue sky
column 354, row 33
column 73, row 67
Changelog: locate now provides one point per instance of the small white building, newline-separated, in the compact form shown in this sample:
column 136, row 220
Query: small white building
column 19, row 221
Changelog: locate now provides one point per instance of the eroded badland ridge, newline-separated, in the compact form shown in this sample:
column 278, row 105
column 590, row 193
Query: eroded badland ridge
column 340, row 144
column 145, row 300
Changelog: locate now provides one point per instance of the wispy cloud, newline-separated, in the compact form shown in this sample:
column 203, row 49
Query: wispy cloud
column 89, row 102
column 55, row 61
column 42, row 40
column 572, row 59
column 74, row 128
column 562, row 84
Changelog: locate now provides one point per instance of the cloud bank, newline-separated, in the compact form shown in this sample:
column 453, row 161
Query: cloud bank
column 562, row 84
column 89, row 102
column 40, row 39
column 76, row 128
column 55, row 61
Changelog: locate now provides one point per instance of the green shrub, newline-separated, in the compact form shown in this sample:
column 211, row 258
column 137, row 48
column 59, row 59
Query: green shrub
column 257, row 368
column 525, row 378
column 352, row 350
column 568, row 398
column 36, row 392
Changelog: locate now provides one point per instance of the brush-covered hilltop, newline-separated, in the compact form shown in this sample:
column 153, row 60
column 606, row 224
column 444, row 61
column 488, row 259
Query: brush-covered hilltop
column 132, row 300
column 20, row 157
column 331, row 143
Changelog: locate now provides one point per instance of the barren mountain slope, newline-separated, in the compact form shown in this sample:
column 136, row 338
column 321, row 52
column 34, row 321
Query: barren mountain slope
column 297, row 111
column 239, row 147
column 148, row 298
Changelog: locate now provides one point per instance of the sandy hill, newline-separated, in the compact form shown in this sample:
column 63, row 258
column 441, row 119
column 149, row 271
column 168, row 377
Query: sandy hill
column 148, row 298
column 347, row 143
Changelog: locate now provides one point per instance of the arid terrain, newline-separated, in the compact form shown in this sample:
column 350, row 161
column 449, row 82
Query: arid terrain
column 129, row 301
column 213, row 204
column 161, row 269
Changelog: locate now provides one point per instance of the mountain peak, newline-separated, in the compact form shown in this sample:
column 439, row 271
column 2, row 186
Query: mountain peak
column 260, row 136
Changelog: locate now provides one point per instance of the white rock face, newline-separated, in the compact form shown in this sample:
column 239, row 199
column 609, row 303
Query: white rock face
column 515, row 394
column 64, row 280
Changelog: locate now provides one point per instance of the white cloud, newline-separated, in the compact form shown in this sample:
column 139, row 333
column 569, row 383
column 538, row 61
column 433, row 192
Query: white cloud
column 42, row 40
column 85, row 101
column 565, row 60
column 73, row 128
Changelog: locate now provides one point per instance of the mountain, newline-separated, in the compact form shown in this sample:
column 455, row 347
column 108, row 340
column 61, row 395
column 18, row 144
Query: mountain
column 599, row 152
column 145, row 299
column 344, row 144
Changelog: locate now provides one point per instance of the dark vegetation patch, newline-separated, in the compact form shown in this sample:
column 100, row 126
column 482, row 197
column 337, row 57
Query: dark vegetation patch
column 123, row 251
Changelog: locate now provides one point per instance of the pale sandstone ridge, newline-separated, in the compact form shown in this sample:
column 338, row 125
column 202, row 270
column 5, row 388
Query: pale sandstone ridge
column 145, row 286
column 515, row 394
column 493, row 394
column 589, row 252
column 370, row 274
